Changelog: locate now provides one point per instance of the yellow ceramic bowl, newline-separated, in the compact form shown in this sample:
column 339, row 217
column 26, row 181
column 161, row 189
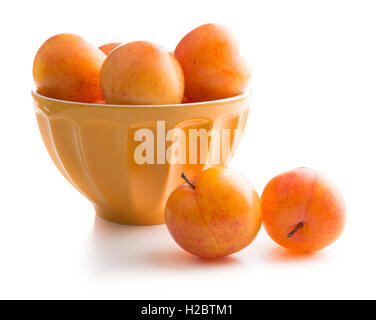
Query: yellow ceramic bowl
column 93, row 146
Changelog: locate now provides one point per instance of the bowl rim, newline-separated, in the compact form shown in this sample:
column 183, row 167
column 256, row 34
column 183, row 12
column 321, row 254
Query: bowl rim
column 242, row 96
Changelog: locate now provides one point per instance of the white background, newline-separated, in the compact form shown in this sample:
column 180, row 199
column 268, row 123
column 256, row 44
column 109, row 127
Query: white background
column 314, row 102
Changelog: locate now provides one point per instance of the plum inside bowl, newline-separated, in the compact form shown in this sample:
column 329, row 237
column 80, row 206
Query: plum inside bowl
column 127, row 159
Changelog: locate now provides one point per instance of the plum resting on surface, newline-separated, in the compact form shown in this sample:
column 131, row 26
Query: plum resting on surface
column 218, row 214
column 303, row 210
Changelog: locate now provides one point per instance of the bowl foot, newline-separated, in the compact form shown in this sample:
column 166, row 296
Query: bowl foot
column 126, row 218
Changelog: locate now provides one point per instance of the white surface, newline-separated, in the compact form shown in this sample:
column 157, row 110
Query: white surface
column 314, row 102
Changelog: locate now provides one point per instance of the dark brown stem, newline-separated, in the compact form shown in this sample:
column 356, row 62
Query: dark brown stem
column 186, row 179
column 297, row 227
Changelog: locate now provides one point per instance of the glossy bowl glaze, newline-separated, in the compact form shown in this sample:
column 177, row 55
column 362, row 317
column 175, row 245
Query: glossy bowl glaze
column 93, row 146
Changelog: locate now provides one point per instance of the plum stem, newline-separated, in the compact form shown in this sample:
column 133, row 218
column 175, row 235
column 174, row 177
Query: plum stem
column 186, row 179
column 297, row 227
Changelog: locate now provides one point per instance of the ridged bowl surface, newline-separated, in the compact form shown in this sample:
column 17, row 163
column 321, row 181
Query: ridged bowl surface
column 93, row 147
